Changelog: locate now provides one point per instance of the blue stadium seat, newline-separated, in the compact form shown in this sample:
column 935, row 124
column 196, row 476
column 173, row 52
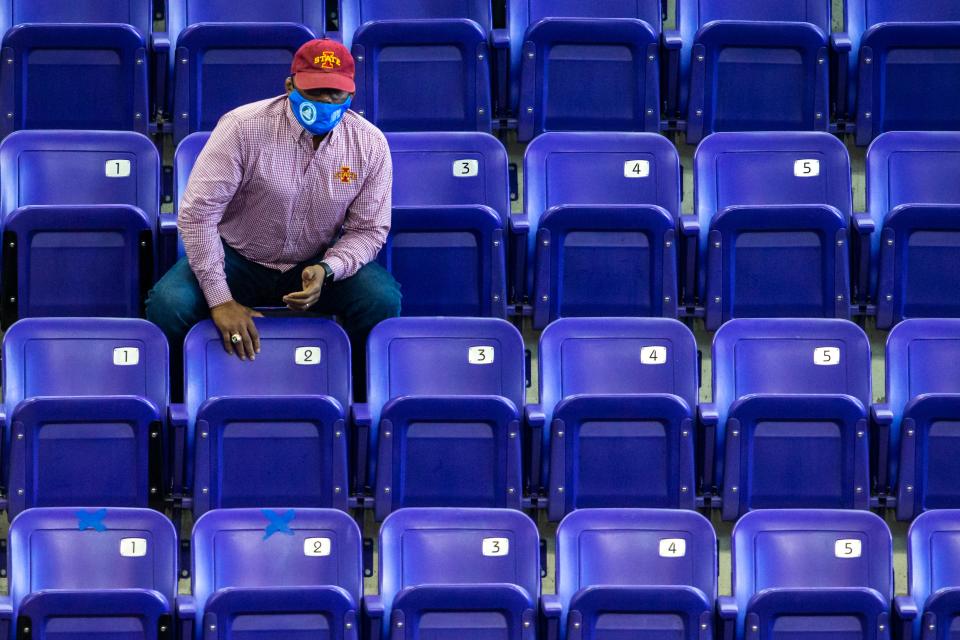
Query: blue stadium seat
column 82, row 212
column 270, row 431
column 227, row 53
column 914, row 200
column 930, row 610
column 809, row 574
column 75, row 65
column 789, row 411
column 466, row 573
column 422, row 65
column 451, row 212
column 920, row 415
column 649, row 573
column 581, row 66
column 900, row 60
column 751, row 65
column 91, row 573
column 618, row 399
column 85, row 402
column 183, row 160
column 603, row 211
column 445, row 396
column 274, row 573
column 774, row 210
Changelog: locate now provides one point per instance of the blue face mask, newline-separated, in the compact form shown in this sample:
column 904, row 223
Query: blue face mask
column 317, row 117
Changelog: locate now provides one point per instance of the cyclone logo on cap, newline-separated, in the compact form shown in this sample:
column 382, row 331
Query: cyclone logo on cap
column 308, row 112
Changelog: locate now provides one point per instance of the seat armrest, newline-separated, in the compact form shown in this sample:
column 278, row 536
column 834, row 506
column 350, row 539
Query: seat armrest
column 500, row 70
column 362, row 423
column 881, row 414
column 690, row 230
column 550, row 611
column 6, row 616
column 500, row 38
column 840, row 42
column 727, row 611
column 689, row 226
column 672, row 44
column 863, row 228
column 709, row 419
column 840, row 48
column 863, row 223
column 178, row 420
column 905, row 611
column 186, row 615
column 881, row 417
column 373, row 616
column 160, row 46
column 520, row 223
column 519, row 230
column 536, row 422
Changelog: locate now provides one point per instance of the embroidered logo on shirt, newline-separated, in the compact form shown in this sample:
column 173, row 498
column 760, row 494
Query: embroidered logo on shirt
column 345, row 175
column 328, row 60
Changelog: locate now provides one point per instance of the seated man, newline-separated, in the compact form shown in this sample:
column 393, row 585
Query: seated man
column 288, row 204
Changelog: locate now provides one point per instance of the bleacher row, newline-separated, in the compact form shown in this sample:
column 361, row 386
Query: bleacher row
column 774, row 232
column 618, row 424
column 475, row 573
column 559, row 65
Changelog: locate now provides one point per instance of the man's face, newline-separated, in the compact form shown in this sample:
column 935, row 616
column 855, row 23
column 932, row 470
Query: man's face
column 330, row 96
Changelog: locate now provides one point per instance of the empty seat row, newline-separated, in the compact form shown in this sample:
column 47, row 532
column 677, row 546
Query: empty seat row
column 738, row 65
column 475, row 573
column 618, row 422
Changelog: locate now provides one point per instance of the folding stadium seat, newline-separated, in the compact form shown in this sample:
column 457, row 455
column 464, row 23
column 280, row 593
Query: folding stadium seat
column 227, row 53
column 92, row 573
column 447, row 243
column 920, row 415
column 284, row 573
column 603, row 211
column 618, row 399
column 649, row 573
column 580, row 66
column 789, row 412
column 422, row 65
column 84, row 401
column 775, row 210
column 809, row 574
column 901, row 62
column 930, row 610
column 445, row 396
column 914, row 199
column 80, row 213
column 465, row 573
column 75, row 65
column 269, row 431
column 750, row 65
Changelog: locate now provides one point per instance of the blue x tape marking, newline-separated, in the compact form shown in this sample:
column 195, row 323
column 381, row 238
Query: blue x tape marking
column 91, row 520
column 278, row 523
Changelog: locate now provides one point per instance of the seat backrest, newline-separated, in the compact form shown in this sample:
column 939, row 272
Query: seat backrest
column 79, row 167
column 183, row 13
column 617, row 356
column 138, row 13
column 251, row 548
column 910, row 168
column 84, row 357
column 116, row 548
column 450, row 168
column 444, row 356
column 571, row 168
column 625, row 547
column 355, row 13
column 790, row 356
column 457, row 546
column 923, row 356
column 765, row 168
column 933, row 554
column 798, row 548
column 298, row 356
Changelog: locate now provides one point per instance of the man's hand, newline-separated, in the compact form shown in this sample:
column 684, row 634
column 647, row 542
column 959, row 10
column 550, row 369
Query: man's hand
column 313, row 277
column 232, row 318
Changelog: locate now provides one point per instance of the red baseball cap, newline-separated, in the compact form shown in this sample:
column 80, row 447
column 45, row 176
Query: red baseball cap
column 323, row 64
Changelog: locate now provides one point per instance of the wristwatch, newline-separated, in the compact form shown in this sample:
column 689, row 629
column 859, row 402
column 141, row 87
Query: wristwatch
column 328, row 273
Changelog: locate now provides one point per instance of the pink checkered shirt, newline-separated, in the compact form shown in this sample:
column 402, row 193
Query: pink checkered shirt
column 260, row 186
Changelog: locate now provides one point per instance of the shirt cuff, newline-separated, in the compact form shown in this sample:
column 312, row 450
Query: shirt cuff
column 336, row 265
column 216, row 293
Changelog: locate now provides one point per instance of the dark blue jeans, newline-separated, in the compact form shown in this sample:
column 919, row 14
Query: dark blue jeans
column 176, row 303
